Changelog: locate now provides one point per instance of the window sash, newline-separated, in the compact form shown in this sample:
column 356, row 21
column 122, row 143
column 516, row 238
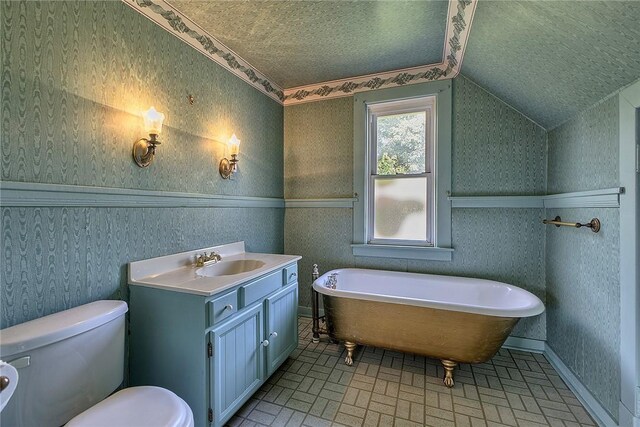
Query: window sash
column 430, row 212
column 393, row 108
column 429, row 138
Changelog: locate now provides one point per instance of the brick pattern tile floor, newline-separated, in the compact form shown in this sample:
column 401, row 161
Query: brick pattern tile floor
column 386, row 388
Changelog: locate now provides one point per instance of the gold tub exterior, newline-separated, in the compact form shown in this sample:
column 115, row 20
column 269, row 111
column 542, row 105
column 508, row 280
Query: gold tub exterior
column 451, row 336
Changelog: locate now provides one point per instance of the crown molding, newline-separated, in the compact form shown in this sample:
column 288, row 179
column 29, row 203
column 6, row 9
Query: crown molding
column 459, row 18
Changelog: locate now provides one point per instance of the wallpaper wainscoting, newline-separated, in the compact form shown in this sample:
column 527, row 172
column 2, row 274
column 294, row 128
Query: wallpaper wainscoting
column 583, row 301
column 583, row 278
column 75, row 77
column 506, row 245
column 57, row 258
column 495, row 150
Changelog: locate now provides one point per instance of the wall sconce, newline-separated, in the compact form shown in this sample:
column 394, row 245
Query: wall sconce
column 144, row 149
column 229, row 167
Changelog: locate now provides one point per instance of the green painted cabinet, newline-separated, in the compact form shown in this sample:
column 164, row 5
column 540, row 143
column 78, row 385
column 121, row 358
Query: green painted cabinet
column 282, row 326
column 214, row 351
column 237, row 362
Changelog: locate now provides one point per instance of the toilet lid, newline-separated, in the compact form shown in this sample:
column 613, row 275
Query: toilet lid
column 137, row 407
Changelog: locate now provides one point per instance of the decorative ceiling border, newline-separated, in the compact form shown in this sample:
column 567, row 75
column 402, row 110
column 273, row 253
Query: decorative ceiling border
column 459, row 18
column 169, row 18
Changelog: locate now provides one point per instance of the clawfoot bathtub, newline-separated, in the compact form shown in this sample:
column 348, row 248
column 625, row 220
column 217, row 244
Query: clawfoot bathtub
column 454, row 319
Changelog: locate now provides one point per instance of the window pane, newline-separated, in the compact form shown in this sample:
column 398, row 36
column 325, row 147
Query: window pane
column 400, row 208
column 401, row 144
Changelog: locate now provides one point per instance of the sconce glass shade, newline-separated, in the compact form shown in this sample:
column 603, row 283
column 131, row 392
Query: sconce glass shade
column 229, row 167
column 153, row 121
column 144, row 149
column 234, row 145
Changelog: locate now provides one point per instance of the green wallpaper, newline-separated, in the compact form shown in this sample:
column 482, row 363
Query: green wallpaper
column 583, row 301
column 494, row 147
column 75, row 76
column 583, row 280
column 284, row 39
column 319, row 153
column 496, row 150
column 584, row 152
column 57, row 258
column 553, row 59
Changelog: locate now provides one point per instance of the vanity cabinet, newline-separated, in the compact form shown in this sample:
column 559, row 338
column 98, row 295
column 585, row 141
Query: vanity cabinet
column 237, row 363
column 214, row 351
column 282, row 332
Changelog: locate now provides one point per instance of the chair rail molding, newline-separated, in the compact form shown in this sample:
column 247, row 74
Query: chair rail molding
column 29, row 194
column 604, row 198
column 340, row 202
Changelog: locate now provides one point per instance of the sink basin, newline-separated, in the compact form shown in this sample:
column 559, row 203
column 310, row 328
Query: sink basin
column 229, row 268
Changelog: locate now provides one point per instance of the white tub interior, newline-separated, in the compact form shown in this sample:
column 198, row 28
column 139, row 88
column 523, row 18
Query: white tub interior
column 428, row 290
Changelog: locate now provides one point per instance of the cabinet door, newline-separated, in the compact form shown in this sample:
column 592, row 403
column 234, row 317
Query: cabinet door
column 237, row 369
column 282, row 326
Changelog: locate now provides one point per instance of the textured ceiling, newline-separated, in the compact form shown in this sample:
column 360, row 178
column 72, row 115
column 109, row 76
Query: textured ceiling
column 301, row 42
column 551, row 59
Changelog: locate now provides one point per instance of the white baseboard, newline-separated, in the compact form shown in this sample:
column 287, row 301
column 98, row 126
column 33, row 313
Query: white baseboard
column 591, row 404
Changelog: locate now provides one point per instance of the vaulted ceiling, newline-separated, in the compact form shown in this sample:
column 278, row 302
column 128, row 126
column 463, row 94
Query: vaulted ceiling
column 298, row 43
column 553, row 59
column 548, row 59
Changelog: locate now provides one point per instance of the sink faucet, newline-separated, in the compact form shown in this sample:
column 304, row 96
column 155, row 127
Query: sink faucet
column 213, row 257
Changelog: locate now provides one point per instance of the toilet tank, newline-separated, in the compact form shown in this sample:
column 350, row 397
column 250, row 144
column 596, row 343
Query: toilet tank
column 67, row 362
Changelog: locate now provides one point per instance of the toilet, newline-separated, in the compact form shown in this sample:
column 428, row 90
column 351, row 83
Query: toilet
column 70, row 363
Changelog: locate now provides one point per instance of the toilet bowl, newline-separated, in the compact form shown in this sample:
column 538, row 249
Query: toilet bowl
column 69, row 364
column 144, row 406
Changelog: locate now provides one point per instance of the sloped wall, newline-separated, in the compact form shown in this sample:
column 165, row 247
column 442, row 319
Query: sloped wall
column 75, row 77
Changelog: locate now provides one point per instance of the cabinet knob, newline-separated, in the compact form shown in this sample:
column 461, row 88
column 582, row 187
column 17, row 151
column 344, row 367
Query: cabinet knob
column 228, row 307
column 265, row 343
column 292, row 275
column 273, row 334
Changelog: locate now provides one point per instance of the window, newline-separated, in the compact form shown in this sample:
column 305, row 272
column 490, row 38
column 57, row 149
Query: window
column 400, row 184
column 402, row 172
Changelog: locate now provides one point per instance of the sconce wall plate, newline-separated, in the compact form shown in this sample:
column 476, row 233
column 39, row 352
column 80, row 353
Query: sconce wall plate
column 228, row 167
column 144, row 151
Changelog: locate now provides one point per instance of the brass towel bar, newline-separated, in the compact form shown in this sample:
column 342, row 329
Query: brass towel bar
column 594, row 224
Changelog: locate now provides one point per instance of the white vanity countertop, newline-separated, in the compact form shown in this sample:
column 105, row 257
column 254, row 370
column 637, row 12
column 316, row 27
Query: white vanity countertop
column 178, row 272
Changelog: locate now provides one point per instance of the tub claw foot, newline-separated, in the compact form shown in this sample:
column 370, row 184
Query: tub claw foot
column 350, row 348
column 448, row 365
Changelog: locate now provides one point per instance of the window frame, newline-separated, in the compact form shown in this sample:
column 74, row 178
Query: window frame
column 441, row 174
column 426, row 104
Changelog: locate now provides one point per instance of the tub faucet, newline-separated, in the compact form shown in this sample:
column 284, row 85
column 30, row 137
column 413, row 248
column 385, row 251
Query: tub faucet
column 332, row 281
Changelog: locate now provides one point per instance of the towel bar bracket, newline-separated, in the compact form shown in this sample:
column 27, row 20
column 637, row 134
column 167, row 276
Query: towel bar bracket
column 594, row 224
